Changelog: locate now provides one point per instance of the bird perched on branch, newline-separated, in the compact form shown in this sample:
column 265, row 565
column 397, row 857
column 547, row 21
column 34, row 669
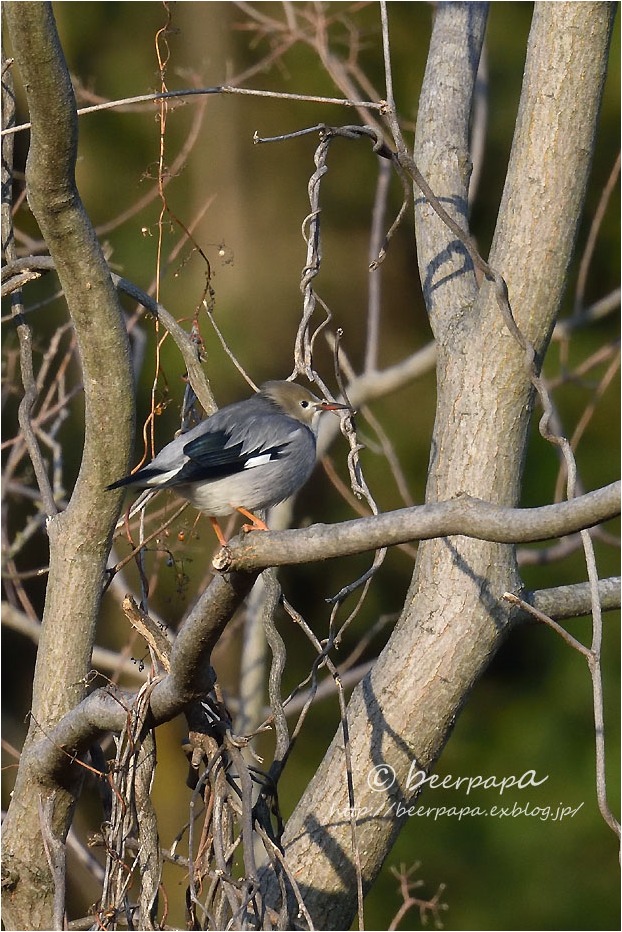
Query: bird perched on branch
column 248, row 455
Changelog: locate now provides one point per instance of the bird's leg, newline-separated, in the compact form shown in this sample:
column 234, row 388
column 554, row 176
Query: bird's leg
column 256, row 523
column 218, row 531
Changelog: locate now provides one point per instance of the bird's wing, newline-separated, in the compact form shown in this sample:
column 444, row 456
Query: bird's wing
column 218, row 453
column 217, row 448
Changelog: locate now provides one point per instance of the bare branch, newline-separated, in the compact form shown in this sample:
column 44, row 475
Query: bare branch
column 202, row 91
column 190, row 678
column 188, row 349
column 463, row 516
column 571, row 601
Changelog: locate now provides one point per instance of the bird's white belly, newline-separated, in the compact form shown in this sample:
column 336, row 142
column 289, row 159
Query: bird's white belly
column 252, row 489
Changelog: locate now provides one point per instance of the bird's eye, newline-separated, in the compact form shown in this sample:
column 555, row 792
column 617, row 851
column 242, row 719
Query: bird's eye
column 304, row 403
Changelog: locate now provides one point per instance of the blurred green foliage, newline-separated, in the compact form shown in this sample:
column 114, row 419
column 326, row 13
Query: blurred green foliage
column 532, row 710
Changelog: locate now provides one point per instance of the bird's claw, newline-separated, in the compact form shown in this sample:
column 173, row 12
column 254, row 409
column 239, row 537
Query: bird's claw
column 247, row 528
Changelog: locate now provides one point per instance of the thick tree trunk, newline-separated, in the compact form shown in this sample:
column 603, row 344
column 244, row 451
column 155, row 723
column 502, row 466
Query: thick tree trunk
column 454, row 619
column 79, row 537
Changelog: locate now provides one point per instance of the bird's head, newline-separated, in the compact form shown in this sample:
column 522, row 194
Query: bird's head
column 298, row 402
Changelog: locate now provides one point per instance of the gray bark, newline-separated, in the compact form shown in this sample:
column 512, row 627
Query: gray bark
column 454, row 619
column 79, row 537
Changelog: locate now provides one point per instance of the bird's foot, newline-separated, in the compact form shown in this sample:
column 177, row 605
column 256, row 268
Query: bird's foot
column 256, row 523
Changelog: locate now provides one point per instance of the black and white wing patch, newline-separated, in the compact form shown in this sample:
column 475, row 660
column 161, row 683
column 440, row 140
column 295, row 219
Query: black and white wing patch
column 211, row 457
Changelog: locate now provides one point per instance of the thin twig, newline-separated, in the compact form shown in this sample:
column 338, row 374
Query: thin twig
column 592, row 656
column 201, row 91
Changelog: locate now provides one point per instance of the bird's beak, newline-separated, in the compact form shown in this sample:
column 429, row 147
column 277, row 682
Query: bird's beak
column 331, row 406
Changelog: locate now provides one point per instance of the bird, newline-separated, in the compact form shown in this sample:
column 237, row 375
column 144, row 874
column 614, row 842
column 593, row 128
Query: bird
column 247, row 456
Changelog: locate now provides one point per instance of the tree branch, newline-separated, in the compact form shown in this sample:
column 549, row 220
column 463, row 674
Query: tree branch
column 190, row 678
column 574, row 600
column 463, row 516
column 11, row 276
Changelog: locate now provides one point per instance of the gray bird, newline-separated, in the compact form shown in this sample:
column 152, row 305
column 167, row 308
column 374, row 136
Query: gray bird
column 248, row 455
